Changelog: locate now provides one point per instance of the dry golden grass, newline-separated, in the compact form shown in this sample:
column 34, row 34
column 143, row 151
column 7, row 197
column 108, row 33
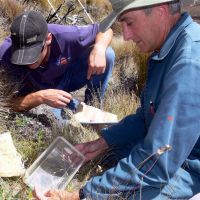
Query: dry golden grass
column 124, row 65
column 130, row 68
column 55, row 3
column 122, row 48
column 75, row 132
column 7, row 89
column 11, row 8
column 121, row 102
column 104, row 4
column 140, row 60
column 3, row 35
column 40, row 3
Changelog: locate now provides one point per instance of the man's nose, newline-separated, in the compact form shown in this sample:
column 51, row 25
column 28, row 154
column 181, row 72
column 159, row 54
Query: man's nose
column 127, row 33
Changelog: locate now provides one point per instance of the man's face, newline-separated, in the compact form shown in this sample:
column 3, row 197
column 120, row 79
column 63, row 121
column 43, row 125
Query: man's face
column 40, row 59
column 142, row 29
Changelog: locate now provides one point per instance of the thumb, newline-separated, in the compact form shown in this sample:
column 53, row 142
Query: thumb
column 38, row 193
column 89, row 73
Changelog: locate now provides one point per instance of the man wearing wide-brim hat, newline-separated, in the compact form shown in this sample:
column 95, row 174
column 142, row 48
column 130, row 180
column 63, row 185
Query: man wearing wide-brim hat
column 158, row 147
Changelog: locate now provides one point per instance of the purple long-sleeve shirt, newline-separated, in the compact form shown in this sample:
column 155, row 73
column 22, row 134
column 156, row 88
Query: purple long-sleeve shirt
column 68, row 43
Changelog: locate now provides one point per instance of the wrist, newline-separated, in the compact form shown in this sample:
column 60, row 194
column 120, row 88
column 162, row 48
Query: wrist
column 40, row 96
column 100, row 46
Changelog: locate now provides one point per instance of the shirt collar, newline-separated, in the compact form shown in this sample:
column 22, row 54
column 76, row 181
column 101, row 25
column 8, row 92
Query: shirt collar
column 184, row 21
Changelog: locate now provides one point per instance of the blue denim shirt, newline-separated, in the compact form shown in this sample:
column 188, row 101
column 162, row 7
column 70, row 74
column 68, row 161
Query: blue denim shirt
column 169, row 115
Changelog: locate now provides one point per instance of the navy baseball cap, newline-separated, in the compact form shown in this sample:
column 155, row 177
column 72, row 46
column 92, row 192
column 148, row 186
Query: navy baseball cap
column 28, row 33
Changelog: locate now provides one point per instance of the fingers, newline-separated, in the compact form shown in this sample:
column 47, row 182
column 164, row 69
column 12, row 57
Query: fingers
column 90, row 149
column 58, row 195
column 51, row 193
column 92, row 155
column 89, row 73
column 63, row 99
column 38, row 193
column 66, row 94
column 96, row 63
column 95, row 71
column 63, row 96
column 56, row 98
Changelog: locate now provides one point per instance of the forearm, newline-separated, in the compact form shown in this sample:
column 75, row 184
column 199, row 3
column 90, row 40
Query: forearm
column 51, row 97
column 27, row 102
column 104, row 39
column 130, row 129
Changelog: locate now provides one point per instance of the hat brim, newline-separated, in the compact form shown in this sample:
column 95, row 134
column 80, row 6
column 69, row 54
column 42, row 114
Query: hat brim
column 111, row 18
column 26, row 56
column 108, row 21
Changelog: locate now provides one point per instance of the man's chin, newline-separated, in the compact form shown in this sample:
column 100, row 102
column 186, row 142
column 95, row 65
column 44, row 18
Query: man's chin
column 144, row 49
column 33, row 66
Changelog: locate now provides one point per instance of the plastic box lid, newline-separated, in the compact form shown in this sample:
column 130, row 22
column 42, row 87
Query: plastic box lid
column 55, row 167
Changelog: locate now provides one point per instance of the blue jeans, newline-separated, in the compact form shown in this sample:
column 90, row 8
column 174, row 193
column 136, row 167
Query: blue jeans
column 76, row 76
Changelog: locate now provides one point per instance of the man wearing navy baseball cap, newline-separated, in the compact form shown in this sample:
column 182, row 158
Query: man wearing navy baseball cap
column 55, row 60
column 158, row 147
column 28, row 35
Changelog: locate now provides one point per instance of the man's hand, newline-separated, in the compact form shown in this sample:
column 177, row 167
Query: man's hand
column 92, row 149
column 52, row 97
column 55, row 98
column 55, row 195
column 97, row 58
column 97, row 61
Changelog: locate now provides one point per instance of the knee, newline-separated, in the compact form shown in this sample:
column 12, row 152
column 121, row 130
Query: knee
column 110, row 57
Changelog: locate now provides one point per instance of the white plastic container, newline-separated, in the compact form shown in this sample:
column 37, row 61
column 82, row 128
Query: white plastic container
column 55, row 167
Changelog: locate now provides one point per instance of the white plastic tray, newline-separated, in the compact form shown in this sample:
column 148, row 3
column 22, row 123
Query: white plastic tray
column 55, row 167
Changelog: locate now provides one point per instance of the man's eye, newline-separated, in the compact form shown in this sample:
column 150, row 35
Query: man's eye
column 129, row 23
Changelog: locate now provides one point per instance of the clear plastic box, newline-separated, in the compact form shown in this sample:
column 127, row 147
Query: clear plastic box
column 55, row 167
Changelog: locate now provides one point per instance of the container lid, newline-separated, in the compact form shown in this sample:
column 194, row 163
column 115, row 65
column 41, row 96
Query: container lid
column 55, row 167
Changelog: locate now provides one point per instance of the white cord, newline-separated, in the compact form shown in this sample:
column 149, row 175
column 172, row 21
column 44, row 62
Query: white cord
column 86, row 12
column 53, row 9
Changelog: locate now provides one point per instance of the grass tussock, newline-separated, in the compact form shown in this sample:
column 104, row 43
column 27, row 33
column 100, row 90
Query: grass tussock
column 11, row 8
column 42, row 3
column 104, row 4
column 130, row 71
column 98, row 9
column 121, row 103
column 55, row 3
column 14, row 188
column 122, row 48
column 140, row 60
column 76, row 133
column 30, row 150
column 7, row 89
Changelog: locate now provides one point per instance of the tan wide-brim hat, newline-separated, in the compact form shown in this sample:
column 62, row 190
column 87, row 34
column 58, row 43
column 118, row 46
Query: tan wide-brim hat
column 119, row 6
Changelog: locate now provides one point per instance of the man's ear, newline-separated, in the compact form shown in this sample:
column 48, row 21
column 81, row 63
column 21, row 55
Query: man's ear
column 49, row 38
column 163, row 10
